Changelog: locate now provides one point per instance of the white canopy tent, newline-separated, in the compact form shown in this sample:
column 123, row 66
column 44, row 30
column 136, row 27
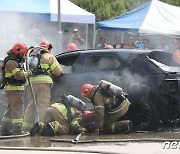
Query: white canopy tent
column 70, row 13
column 46, row 10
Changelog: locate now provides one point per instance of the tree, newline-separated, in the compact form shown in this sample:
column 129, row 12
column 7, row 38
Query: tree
column 106, row 9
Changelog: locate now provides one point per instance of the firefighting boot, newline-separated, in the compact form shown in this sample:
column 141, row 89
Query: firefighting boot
column 37, row 128
column 17, row 129
column 124, row 126
column 6, row 132
column 49, row 129
column 6, row 129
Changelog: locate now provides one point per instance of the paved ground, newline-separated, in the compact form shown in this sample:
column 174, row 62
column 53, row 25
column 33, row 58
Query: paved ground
column 135, row 143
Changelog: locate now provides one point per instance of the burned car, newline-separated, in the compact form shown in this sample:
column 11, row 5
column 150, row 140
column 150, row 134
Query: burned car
column 151, row 79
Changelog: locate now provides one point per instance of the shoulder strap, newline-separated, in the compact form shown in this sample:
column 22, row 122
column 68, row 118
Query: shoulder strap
column 9, row 58
column 69, row 115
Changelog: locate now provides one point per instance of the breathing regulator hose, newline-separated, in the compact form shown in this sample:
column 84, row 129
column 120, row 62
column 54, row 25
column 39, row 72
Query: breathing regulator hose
column 30, row 85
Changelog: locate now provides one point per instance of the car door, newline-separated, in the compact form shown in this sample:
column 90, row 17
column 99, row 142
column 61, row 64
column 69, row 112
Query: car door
column 91, row 68
column 100, row 66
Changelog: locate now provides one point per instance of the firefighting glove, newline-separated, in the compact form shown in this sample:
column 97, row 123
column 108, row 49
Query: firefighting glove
column 98, row 131
column 82, row 130
column 29, row 72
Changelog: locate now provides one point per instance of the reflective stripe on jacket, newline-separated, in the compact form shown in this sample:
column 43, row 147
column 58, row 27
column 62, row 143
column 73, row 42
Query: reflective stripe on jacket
column 62, row 109
column 14, row 87
column 49, row 63
column 16, row 74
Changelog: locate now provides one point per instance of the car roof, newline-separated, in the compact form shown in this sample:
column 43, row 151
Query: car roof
column 125, row 53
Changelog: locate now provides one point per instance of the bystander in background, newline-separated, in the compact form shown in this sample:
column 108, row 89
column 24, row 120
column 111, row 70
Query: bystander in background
column 163, row 45
column 118, row 43
column 102, row 43
column 139, row 43
column 130, row 44
column 34, row 36
column 77, row 39
column 65, row 39
column 146, row 44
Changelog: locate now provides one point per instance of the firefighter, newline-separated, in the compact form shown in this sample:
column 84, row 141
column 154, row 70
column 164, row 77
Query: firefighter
column 14, row 80
column 71, row 47
column 41, row 81
column 63, row 117
column 108, row 46
column 110, row 105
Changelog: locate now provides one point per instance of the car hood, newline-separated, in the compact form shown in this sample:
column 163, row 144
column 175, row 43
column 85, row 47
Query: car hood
column 172, row 69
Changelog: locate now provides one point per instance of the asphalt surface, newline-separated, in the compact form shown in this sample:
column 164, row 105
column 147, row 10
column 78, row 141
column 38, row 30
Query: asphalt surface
column 134, row 143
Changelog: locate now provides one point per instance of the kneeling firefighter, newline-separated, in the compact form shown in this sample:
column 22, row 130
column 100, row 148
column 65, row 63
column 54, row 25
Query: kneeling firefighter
column 14, row 80
column 63, row 117
column 41, row 80
column 110, row 105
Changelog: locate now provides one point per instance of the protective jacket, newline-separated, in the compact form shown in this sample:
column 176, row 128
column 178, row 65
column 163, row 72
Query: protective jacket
column 59, row 119
column 14, row 74
column 41, row 84
column 48, row 63
column 107, row 110
column 14, row 87
column 68, row 120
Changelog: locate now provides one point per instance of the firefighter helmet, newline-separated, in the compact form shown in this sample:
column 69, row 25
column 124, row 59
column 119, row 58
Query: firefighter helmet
column 176, row 57
column 46, row 45
column 108, row 47
column 86, row 90
column 71, row 47
column 88, row 115
column 20, row 48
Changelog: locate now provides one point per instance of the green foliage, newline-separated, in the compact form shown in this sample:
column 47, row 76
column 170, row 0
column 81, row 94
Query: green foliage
column 172, row 2
column 106, row 9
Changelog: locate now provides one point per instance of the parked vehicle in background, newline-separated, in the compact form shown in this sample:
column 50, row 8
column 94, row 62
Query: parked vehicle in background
column 151, row 79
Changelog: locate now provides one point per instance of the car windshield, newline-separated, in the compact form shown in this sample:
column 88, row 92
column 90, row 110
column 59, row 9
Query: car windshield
column 165, row 60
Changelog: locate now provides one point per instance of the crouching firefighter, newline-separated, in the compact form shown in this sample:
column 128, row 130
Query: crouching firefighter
column 110, row 105
column 14, row 80
column 62, row 117
column 44, row 66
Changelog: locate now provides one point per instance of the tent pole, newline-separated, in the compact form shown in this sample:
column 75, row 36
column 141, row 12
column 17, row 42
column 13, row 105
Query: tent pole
column 94, row 36
column 59, row 28
column 122, row 37
column 86, row 36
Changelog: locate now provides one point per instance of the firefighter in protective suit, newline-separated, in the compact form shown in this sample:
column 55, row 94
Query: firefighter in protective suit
column 14, row 80
column 63, row 117
column 110, row 105
column 41, row 81
column 71, row 47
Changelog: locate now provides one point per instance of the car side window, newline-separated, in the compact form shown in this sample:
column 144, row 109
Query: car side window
column 99, row 63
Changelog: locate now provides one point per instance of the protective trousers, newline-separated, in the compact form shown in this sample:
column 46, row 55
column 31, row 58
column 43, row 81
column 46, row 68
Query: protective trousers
column 13, row 116
column 115, row 115
column 42, row 95
column 57, row 121
column 123, row 126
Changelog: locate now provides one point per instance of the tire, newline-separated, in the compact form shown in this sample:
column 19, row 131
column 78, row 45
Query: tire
column 142, row 111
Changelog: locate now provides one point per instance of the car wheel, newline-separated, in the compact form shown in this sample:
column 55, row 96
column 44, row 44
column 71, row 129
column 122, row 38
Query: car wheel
column 142, row 110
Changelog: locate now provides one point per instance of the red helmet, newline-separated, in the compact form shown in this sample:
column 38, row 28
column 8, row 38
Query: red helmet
column 20, row 48
column 176, row 57
column 46, row 45
column 71, row 47
column 108, row 47
column 88, row 115
column 86, row 90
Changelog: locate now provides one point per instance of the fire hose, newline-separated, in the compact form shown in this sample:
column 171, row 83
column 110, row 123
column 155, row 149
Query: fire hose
column 78, row 141
column 30, row 85
column 37, row 48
